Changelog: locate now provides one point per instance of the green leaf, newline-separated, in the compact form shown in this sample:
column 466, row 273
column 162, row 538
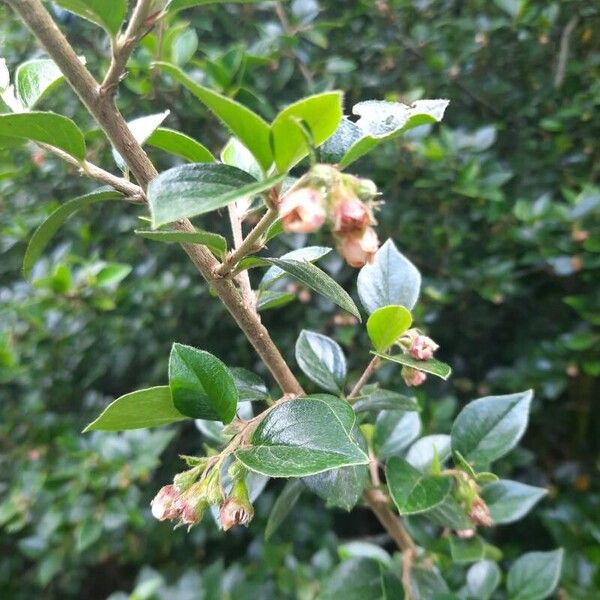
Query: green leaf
column 34, row 79
column 285, row 502
column 362, row 579
column 46, row 128
column 450, row 514
column 488, row 428
column 509, row 501
column 322, row 360
column 380, row 121
column 215, row 242
column 421, row 455
column 308, row 254
column 395, row 430
column 387, row 324
column 360, row 549
column 150, row 407
column 109, row 15
column 192, row 190
column 343, row 487
column 250, row 387
column 482, row 579
column 177, row 5
column 44, row 233
column 320, row 114
column 202, row 386
column 234, row 153
column 268, row 299
column 433, row 366
column 426, row 583
column 374, row 398
column 247, row 126
column 317, row 280
column 467, row 551
column 302, row 437
column 535, row 575
column 414, row 492
column 112, row 274
column 180, row 144
column 391, row 279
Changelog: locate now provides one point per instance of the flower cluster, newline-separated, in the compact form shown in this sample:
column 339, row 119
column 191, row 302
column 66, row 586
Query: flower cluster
column 193, row 491
column 467, row 493
column 344, row 202
column 419, row 347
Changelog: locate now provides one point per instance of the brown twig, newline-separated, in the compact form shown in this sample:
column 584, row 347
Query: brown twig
column 364, row 378
column 242, row 278
column 563, row 53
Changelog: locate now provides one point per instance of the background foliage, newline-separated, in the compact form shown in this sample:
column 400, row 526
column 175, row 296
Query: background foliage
column 499, row 209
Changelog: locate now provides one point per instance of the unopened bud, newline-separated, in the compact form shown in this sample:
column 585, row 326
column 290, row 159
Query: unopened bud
column 162, row 505
column 358, row 249
column 366, row 189
column 302, row 211
column 422, row 347
column 480, row 513
column 465, row 534
column 413, row 377
column 183, row 481
column 237, row 509
column 350, row 215
column 192, row 504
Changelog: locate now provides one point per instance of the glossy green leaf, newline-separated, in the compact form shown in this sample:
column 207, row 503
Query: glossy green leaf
column 465, row 551
column 317, row 280
column 320, row 114
column 202, row 386
column 488, row 428
column 287, row 499
column 386, row 324
column 250, row 387
column 395, row 430
column 361, row 549
column 432, row 366
column 177, row 5
column 391, row 279
column 192, row 190
column 450, row 514
column 482, row 579
column 35, row 78
column 151, row 407
column 109, row 15
column 412, row 491
column 269, row 299
column 302, row 437
column 509, row 501
column 426, row 583
column 46, row 128
column 180, row 144
column 247, row 126
column 421, row 455
column 215, row 242
column 322, row 360
column 44, row 233
column 374, row 398
column 535, row 575
column 308, row 254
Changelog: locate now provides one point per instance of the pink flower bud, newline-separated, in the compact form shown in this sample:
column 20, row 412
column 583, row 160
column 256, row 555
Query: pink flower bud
column 191, row 505
column 413, row 377
column 358, row 249
column 465, row 534
column 233, row 512
column 302, row 211
column 480, row 513
column 422, row 347
column 162, row 505
column 351, row 215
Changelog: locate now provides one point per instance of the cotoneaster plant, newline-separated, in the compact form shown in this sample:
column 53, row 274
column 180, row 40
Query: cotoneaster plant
column 349, row 444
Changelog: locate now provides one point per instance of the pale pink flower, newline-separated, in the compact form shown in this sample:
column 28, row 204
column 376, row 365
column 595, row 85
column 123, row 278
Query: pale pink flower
column 465, row 534
column 234, row 512
column 413, row 377
column 359, row 249
column 480, row 513
column 351, row 215
column 163, row 504
column 422, row 347
column 302, row 211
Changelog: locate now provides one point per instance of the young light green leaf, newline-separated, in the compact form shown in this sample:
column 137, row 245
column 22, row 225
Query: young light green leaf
column 177, row 5
column 317, row 280
column 414, row 492
column 234, row 153
column 395, row 430
column 215, row 242
column 535, row 575
column 308, row 254
column 44, row 233
column 151, row 407
column 202, row 386
column 322, row 360
column 482, row 579
column 302, row 437
column 35, row 78
column 376, row 399
column 421, row 455
column 268, row 299
column 320, row 114
column 108, row 15
column 432, row 366
column 45, row 127
column 192, row 190
column 387, row 324
column 488, row 428
column 509, row 501
column 391, row 279
column 246, row 125
column 285, row 502
column 180, row 144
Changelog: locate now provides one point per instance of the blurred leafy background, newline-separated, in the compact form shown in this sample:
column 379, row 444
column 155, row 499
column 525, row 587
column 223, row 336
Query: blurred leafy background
column 499, row 208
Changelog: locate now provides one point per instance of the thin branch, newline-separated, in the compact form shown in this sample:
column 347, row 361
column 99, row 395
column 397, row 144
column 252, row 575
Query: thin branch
column 563, row 54
column 242, row 278
column 123, row 45
column 364, row 378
